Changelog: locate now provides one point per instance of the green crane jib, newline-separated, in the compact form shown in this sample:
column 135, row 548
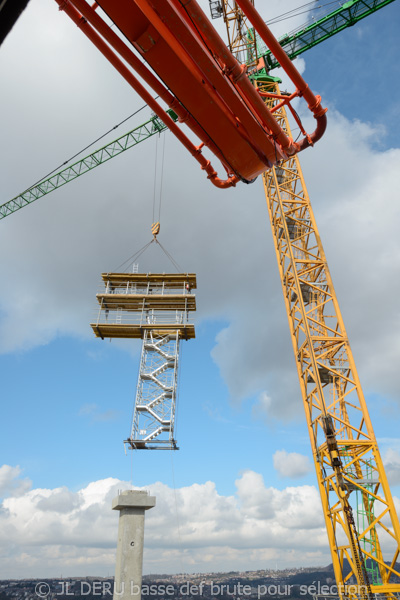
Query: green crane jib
column 90, row 162
column 300, row 40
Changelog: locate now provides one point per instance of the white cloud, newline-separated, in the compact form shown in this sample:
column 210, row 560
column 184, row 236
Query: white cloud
column 291, row 464
column 58, row 530
column 10, row 482
column 93, row 412
column 391, row 461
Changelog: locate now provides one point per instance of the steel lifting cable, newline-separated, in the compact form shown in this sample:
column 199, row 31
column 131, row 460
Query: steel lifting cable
column 87, row 147
column 168, row 255
column 134, row 256
column 294, row 13
column 137, row 254
column 161, row 179
column 157, row 198
column 155, row 180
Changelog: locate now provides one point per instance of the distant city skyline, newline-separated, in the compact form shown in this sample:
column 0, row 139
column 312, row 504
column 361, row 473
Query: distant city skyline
column 241, row 492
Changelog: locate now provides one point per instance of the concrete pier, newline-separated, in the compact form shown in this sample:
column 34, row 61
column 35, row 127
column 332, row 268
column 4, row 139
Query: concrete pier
column 129, row 565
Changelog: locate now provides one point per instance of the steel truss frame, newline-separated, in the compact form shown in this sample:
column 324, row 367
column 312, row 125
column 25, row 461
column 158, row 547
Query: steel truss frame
column 241, row 37
column 155, row 404
column 304, row 38
column 346, row 455
column 88, row 163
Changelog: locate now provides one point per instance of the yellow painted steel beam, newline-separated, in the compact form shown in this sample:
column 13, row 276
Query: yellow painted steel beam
column 136, row 331
column 172, row 279
column 350, row 474
column 141, row 302
column 241, row 39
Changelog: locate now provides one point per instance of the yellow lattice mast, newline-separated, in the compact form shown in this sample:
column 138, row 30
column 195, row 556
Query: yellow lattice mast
column 237, row 28
column 360, row 516
column 361, row 521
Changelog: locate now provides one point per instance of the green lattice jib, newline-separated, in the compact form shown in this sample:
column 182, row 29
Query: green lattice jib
column 301, row 40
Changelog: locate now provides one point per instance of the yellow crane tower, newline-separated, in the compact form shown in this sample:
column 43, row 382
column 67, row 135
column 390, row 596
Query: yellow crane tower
column 360, row 517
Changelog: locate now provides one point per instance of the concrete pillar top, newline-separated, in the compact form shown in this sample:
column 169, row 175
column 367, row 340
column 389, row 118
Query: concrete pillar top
column 133, row 499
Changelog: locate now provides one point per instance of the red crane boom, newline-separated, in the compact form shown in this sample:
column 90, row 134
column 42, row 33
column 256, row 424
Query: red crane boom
column 198, row 78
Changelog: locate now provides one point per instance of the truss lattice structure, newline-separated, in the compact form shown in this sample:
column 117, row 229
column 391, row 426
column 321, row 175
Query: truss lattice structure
column 360, row 516
column 154, row 412
column 154, row 307
column 241, row 36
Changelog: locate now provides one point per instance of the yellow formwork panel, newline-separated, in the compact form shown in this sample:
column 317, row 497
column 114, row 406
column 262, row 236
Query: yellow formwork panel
column 136, row 331
column 170, row 279
column 140, row 302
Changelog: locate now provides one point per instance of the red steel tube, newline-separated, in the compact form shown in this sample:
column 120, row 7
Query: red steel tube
column 158, row 87
column 281, row 56
column 126, row 53
column 95, row 38
column 145, row 73
column 149, row 10
column 236, row 73
column 314, row 102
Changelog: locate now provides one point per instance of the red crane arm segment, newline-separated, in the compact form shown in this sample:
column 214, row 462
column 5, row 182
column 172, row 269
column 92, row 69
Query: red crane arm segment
column 198, row 78
column 96, row 39
column 314, row 102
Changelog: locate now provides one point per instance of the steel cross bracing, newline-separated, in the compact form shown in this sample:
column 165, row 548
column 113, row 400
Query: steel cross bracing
column 360, row 516
column 154, row 412
column 155, row 307
column 241, row 41
column 301, row 40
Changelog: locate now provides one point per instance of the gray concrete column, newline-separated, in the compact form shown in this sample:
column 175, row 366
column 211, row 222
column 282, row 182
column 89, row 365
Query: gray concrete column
column 129, row 565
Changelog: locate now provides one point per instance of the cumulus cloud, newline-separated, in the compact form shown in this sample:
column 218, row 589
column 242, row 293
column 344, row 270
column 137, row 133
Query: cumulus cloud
column 11, row 483
column 291, row 464
column 54, row 530
column 93, row 412
column 391, row 461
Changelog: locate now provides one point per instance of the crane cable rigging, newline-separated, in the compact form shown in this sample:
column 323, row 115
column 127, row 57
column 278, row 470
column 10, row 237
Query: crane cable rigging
column 294, row 13
column 63, row 164
column 155, row 227
column 157, row 217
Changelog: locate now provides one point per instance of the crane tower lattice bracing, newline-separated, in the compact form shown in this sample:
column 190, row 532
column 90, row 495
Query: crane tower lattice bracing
column 360, row 516
column 154, row 307
column 241, row 36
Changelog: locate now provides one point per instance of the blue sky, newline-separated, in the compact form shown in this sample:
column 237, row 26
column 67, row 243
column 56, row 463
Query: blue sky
column 363, row 73
column 68, row 396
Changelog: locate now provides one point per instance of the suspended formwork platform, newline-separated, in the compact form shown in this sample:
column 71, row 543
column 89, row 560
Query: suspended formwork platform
column 133, row 303
column 154, row 307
